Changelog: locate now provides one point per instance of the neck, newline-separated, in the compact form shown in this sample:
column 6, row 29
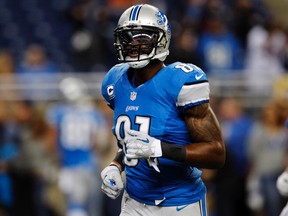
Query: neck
column 142, row 75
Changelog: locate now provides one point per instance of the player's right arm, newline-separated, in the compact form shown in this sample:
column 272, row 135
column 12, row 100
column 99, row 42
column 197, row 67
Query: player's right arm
column 112, row 182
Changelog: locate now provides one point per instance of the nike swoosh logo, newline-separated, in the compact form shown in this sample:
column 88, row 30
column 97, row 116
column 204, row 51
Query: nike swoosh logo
column 199, row 77
column 179, row 208
column 145, row 141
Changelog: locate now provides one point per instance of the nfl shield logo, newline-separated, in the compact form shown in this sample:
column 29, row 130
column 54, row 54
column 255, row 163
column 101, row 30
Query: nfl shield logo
column 133, row 95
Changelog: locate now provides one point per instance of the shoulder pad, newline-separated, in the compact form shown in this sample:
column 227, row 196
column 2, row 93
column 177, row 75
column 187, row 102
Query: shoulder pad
column 192, row 72
column 109, row 81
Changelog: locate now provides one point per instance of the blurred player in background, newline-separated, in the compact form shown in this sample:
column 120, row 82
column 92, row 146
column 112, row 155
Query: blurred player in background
column 165, row 127
column 282, row 185
column 267, row 155
column 79, row 129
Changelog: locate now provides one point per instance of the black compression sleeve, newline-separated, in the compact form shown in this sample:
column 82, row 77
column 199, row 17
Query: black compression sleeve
column 173, row 152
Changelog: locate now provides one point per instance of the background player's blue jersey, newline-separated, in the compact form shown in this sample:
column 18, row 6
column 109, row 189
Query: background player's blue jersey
column 154, row 108
column 76, row 127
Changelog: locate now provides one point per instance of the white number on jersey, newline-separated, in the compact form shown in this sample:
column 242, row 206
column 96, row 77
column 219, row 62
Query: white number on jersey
column 185, row 67
column 76, row 132
column 123, row 124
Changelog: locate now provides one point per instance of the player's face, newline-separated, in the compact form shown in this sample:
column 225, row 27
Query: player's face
column 136, row 43
column 137, row 48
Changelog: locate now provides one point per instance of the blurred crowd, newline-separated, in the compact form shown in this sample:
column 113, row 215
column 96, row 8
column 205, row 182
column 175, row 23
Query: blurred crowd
column 55, row 131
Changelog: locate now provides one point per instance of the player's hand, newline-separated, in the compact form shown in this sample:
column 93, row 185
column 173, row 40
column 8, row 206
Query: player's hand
column 141, row 145
column 282, row 184
column 112, row 183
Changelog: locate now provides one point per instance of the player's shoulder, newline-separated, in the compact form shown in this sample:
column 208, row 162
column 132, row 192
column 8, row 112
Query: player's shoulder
column 115, row 73
column 189, row 72
column 110, row 81
column 54, row 113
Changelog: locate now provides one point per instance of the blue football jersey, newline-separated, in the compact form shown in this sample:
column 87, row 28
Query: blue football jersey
column 154, row 108
column 76, row 126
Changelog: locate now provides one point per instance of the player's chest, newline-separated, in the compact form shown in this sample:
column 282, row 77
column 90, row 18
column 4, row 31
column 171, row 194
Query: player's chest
column 142, row 106
column 144, row 100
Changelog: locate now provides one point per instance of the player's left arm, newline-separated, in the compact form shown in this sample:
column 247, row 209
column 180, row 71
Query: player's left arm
column 207, row 149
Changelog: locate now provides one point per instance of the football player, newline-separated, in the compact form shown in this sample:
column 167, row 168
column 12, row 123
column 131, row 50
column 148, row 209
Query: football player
column 165, row 128
column 79, row 131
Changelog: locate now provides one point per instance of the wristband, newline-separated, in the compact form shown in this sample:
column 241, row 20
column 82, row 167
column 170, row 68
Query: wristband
column 118, row 160
column 118, row 165
column 173, row 152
